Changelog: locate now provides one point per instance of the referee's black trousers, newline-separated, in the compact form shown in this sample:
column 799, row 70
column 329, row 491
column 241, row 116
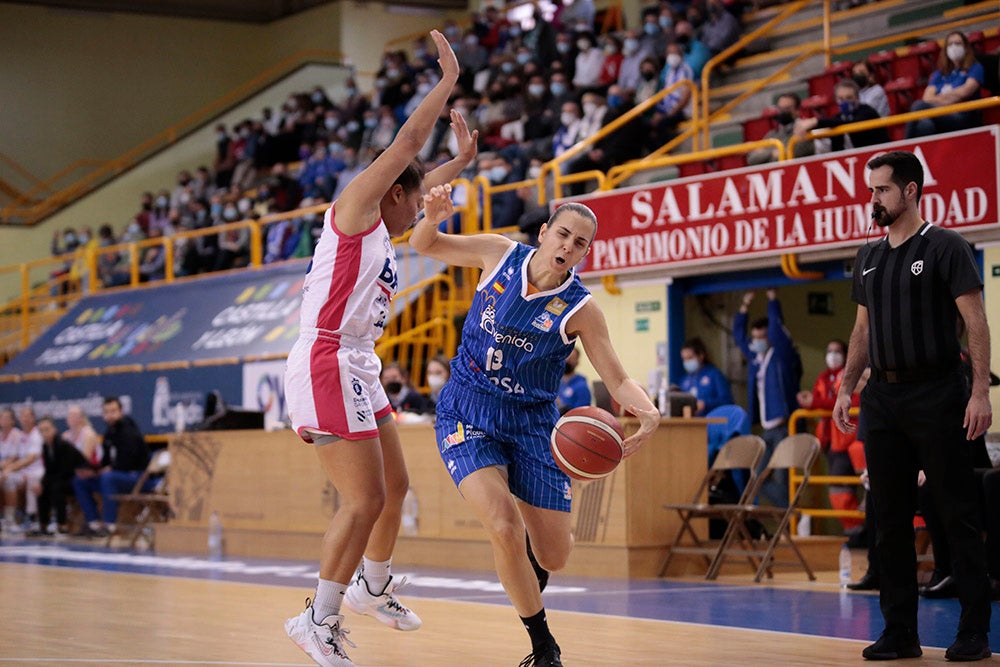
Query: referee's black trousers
column 918, row 426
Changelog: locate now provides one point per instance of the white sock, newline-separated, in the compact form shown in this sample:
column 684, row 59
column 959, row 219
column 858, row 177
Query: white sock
column 329, row 595
column 376, row 574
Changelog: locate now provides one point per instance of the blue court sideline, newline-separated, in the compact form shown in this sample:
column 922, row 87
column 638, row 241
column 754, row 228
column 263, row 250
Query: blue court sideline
column 823, row 610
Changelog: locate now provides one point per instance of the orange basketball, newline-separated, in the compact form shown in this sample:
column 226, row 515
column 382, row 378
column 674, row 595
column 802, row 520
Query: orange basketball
column 587, row 443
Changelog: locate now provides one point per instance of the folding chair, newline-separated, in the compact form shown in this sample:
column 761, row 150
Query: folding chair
column 741, row 453
column 795, row 451
column 140, row 507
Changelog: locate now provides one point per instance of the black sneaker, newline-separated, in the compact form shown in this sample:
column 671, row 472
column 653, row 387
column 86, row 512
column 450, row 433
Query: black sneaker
column 894, row 645
column 968, row 647
column 549, row 657
column 541, row 573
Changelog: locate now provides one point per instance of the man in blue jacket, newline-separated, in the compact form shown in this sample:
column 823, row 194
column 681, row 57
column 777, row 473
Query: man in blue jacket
column 774, row 370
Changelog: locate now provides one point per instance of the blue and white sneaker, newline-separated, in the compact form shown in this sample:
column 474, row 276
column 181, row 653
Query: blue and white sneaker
column 384, row 607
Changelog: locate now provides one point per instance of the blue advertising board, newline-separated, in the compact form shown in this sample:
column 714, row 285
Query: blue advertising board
column 254, row 312
column 150, row 397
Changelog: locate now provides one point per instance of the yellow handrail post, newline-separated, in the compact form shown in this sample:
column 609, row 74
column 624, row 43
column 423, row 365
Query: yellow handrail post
column 256, row 245
column 826, row 32
column 133, row 264
column 168, row 259
column 25, row 296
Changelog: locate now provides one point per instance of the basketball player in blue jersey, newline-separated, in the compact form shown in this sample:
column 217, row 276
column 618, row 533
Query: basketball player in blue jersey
column 497, row 411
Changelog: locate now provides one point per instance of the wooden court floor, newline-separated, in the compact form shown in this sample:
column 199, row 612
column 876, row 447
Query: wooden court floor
column 69, row 616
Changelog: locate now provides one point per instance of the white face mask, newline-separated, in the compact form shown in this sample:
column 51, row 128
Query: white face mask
column 955, row 52
column 674, row 59
column 834, row 360
column 589, row 108
column 534, row 171
column 435, row 382
column 567, row 119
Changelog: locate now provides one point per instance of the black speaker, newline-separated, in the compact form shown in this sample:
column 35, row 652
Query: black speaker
column 233, row 419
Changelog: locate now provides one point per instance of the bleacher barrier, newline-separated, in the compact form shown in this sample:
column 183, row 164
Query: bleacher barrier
column 796, row 478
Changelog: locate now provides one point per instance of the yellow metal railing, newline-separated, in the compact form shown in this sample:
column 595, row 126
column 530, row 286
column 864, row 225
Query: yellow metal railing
column 795, row 478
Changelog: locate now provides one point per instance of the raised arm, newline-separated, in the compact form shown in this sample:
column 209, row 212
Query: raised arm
column 589, row 324
column 358, row 204
column 482, row 251
column 450, row 170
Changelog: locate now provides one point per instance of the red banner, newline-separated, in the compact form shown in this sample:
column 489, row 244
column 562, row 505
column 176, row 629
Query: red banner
column 804, row 205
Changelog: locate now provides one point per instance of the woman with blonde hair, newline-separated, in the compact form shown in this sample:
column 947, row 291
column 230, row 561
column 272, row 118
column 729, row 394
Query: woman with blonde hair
column 82, row 435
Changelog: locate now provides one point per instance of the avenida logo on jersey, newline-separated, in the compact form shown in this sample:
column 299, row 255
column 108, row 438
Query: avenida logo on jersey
column 487, row 323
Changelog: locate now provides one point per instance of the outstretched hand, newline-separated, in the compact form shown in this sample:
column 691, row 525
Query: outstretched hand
column 649, row 421
column 466, row 142
column 446, row 57
column 437, row 204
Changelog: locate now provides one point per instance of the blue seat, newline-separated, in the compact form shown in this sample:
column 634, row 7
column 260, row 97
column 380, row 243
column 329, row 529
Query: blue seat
column 737, row 423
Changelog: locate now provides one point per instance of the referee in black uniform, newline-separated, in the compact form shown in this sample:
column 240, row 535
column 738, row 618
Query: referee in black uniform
column 911, row 287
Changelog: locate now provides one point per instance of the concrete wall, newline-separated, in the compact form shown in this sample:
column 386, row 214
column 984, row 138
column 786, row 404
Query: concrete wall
column 81, row 85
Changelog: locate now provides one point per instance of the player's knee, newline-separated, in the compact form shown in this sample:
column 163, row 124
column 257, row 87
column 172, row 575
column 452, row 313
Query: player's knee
column 553, row 557
column 364, row 508
column 508, row 531
column 396, row 487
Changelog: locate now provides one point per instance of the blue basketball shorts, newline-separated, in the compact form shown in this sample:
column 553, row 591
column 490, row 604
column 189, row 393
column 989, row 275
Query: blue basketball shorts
column 475, row 431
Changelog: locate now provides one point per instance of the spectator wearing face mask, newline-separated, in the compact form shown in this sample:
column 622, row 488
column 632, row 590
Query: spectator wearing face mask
column 649, row 82
column 869, row 90
column 438, row 372
column 402, row 395
column 505, row 207
column 824, row 392
column 702, row 379
column 774, row 371
column 574, row 390
column 695, row 52
column 675, row 108
column 851, row 110
column 657, row 31
column 958, row 78
column 788, row 106
column 566, row 51
column 633, row 53
column 618, row 147
column 589, row 61
column 613, row 57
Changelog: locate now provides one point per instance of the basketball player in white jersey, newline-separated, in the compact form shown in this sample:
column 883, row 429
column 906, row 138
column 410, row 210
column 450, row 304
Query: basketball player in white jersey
column 335, row 400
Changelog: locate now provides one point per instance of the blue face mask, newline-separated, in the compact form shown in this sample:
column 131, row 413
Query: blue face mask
column 758, row 346
column 846, row 108
column 614, row 101
column 691, row 365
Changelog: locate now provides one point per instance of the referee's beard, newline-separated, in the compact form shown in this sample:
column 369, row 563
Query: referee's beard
column 883, row 217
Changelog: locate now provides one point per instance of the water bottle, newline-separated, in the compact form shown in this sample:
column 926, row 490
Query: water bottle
column 663, row 396
column 410, row 509
column 214, row 536
column 845, row 566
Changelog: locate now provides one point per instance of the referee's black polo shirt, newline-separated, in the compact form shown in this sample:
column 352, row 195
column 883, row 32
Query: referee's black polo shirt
column 910, row 293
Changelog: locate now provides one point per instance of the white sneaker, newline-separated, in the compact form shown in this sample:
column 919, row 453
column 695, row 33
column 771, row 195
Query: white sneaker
column 323, row 642
column 385, row 607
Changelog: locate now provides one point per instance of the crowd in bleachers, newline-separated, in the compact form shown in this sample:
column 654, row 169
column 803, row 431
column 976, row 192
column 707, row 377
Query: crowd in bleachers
column 532, row 87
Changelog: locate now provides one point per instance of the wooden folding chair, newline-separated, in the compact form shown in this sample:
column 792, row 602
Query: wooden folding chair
column 796, row 451
column 138, row 508
column 740, row 453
